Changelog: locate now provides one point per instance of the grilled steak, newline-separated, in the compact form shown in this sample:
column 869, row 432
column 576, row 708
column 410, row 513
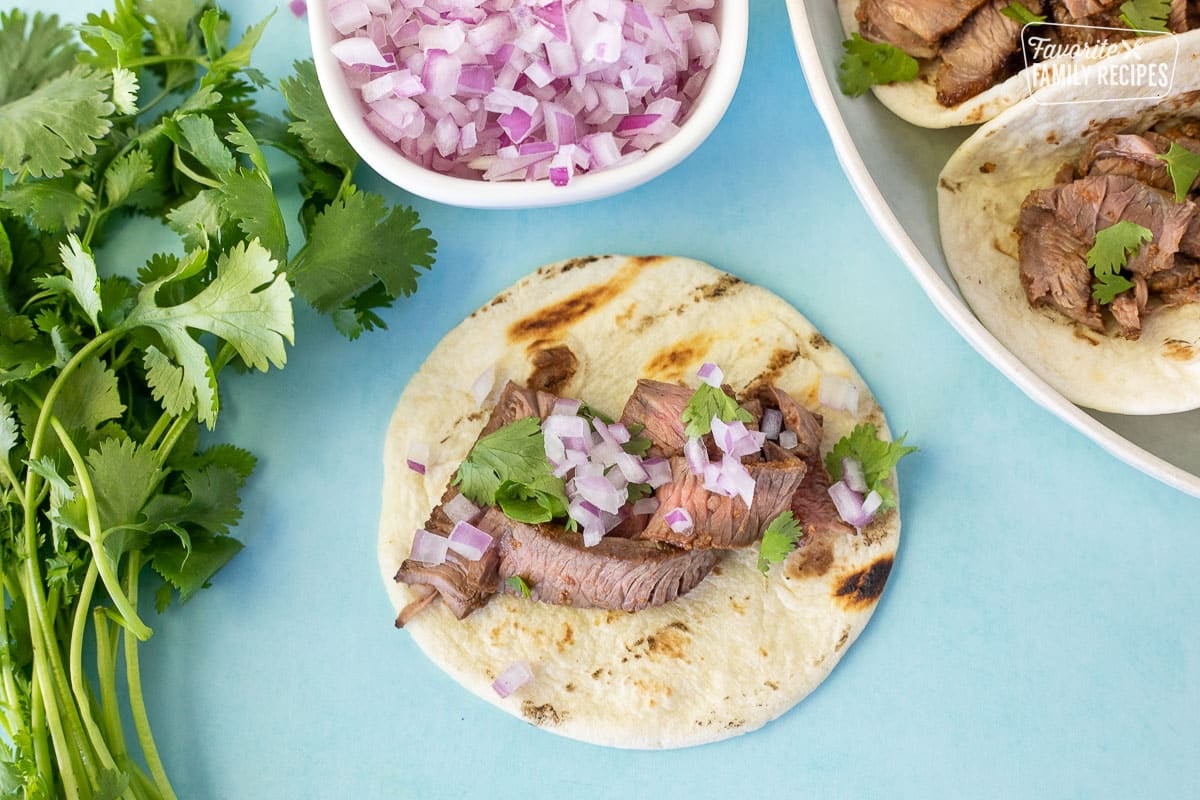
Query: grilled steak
column 1131, row 156
column 624, row 574
column 724, row 522
column 984, row 51
column 659, row 407
column 1079, row 9
column 914, row 24
column 811, row 504
column 553, row 367
column 1053, row 263
column 463, row 585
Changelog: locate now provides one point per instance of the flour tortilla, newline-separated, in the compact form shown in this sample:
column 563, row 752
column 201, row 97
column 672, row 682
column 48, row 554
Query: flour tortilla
column 980, row 192
column 916, row 101
column 735, row 652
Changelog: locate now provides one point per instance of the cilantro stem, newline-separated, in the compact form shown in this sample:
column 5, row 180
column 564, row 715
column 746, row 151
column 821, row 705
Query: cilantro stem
column 146, row 61
column 95, row 537
column 137, row 703
column 106, row 673
column 12, row 719
column 82, row 699
column 177, row 159
column 38, row 732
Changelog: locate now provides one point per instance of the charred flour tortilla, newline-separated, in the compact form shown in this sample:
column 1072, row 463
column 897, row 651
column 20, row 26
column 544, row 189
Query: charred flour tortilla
column 980, row 193
column 735, row 652
column 917, row 101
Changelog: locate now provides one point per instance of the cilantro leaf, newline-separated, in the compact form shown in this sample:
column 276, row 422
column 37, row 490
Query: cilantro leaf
column 1020, row 13
column 779, row 539
column 10, row 434
column 125, row 90
column 237, row 57
column 515, row 452
column 212, row 501
column 197, row 133
column 84, row 282
column 247, row 197
column 60, row 121
column 52, row 205
column 198, row 219
column 518, row 585
column 877, row 457
column 91, row 396
column 1183, row 166
column 539, row 500
column 708, row 402
column 127, row 175
column 1146, row 15
column 356, row 242
column 255, row 321
column 32, row 53
column 866, row 64
column 1113, row 248
column 312, row 121
column 189, row 569
column 112, row 39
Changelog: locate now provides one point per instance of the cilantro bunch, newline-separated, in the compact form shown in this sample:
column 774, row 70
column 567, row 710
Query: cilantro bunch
column 109, row 370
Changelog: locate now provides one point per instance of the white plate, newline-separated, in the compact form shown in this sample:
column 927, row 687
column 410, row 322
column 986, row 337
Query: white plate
column 894, row 167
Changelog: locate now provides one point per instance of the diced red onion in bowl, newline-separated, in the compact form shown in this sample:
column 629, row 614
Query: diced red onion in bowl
column 513, row 677
column 598, row 81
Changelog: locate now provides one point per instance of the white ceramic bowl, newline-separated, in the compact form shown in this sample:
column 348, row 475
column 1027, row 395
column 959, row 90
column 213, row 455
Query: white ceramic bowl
column 731, row 18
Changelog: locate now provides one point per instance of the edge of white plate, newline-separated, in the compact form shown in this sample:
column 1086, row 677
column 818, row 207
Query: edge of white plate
column 944, row 299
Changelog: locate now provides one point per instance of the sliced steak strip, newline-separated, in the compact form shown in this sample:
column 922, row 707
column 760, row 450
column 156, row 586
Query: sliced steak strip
column 928, row 21
column 877, row 24
column 1079, row 9
column 553, row 368
column 1053, row 263
column 1096, row 202
column 658, row 407
column 1131, row 156
column 724, row 522
column 1101, row 27
column 462, row 585
column 811, row 505
column 617, row 574
column 981, row 53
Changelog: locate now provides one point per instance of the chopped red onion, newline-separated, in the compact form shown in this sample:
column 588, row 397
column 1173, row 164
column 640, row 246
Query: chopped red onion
column 788, row 440
column 482, row 387
column 513, row 677
column 592, row 534
column 359, row 50
column 658, row 470
column 468, row 541
column 730, row 478
column 849, row 504
column 678, row 520
column 460, row 509
column 871, row 504
column 711, row 374
column 567, row 407
column 349, row 16
column 600, row 492
column 647, row 505
column 606, row 453
column 838, row 392
column 772, row 423
column 631, row 467
column 852, row 474
column 617, row 78
column 697, row 455
column 429, row 548
column 418, row 457
column 298, row 8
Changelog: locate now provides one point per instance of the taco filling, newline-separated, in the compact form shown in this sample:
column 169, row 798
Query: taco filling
column 559, row 504
column 1117, row 237
column 975, row 44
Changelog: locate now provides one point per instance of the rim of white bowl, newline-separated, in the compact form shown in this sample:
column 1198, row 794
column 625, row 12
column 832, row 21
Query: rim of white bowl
column 945, row 300
column 732, row 20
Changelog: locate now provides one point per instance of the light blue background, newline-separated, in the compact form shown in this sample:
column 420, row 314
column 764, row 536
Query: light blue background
column 1036, row 639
